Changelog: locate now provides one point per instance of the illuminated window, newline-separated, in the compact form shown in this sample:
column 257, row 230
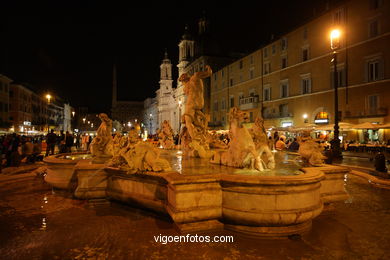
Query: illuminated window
column 321, row 118
column 322, row 115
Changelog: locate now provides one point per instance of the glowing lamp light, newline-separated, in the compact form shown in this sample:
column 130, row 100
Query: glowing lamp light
column 48, row 97
column 335, row 36
column 304, row 116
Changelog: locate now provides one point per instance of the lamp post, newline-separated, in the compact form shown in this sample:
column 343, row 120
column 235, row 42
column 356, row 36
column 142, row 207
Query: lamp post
column 335, row 45
column 179, row 116
column 48, row 97
column 73, row 121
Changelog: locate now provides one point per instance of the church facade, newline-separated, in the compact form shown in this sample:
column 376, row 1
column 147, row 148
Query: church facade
column 195, row 53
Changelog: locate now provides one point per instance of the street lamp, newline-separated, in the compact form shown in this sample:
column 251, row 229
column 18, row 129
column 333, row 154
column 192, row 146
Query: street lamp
column 48, row 97
column 335, row 45
column 73, row 113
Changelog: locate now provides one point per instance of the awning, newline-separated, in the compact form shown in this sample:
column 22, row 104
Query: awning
column 366, row 125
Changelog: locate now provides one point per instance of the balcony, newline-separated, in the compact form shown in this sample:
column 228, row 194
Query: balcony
column 367, row 113
column 277, row 115
column 247, row 103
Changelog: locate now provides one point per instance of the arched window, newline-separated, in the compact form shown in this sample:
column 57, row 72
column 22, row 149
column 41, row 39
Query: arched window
column 322, row 118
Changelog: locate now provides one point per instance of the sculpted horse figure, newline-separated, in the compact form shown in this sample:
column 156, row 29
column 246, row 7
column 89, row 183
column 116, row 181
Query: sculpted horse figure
column 260, row 139
column 310, row 151
column 242, row 151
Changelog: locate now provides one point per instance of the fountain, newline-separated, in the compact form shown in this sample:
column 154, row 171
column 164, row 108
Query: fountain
column 240, row 188
column 60, row 169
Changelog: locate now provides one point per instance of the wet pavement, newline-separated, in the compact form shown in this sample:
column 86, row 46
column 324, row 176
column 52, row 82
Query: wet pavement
column 39, row 223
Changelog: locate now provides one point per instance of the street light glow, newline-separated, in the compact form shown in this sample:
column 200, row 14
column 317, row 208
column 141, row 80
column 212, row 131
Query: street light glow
column 48, row 97
column 335, row 39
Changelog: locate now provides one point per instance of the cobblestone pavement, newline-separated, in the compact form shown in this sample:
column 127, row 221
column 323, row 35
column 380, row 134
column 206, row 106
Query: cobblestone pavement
column 39, row 223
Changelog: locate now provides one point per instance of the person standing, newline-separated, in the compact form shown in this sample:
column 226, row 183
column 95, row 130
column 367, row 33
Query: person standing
column 68, row 142
column 51, row 139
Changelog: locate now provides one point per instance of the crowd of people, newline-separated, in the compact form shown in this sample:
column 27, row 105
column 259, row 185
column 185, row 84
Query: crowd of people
column 16, row 149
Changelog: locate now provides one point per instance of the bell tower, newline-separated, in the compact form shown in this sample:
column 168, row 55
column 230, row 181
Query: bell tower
column 186, row 50
column 165, row 93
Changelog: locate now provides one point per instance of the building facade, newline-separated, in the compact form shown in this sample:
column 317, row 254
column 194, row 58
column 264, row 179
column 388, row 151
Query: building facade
column 21, row 108
column 289, row 82
column 4, row 102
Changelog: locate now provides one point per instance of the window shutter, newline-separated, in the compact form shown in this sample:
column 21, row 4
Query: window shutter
column 381, row 69
column 366, row 71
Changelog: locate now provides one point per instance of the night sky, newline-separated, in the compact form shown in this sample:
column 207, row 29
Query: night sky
column 69, row 48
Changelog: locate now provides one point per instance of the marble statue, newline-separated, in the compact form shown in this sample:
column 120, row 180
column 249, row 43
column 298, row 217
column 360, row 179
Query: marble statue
column 102, row 144
column 310, row 151
column 136, row 155
column 242, row 151
column 261, row 141
column 194, row 120
column 165, row 136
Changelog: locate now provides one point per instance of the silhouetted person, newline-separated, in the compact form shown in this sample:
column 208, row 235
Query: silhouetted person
column 51, row 139
column 294, row 146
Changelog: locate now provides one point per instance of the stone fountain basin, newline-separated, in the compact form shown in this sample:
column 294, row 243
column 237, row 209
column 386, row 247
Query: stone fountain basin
column 217, row 197
column 275, row 206
column 60, row 169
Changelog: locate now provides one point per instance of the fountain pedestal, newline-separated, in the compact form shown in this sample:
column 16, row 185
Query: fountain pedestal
column 194, row 202
column 92, row 180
